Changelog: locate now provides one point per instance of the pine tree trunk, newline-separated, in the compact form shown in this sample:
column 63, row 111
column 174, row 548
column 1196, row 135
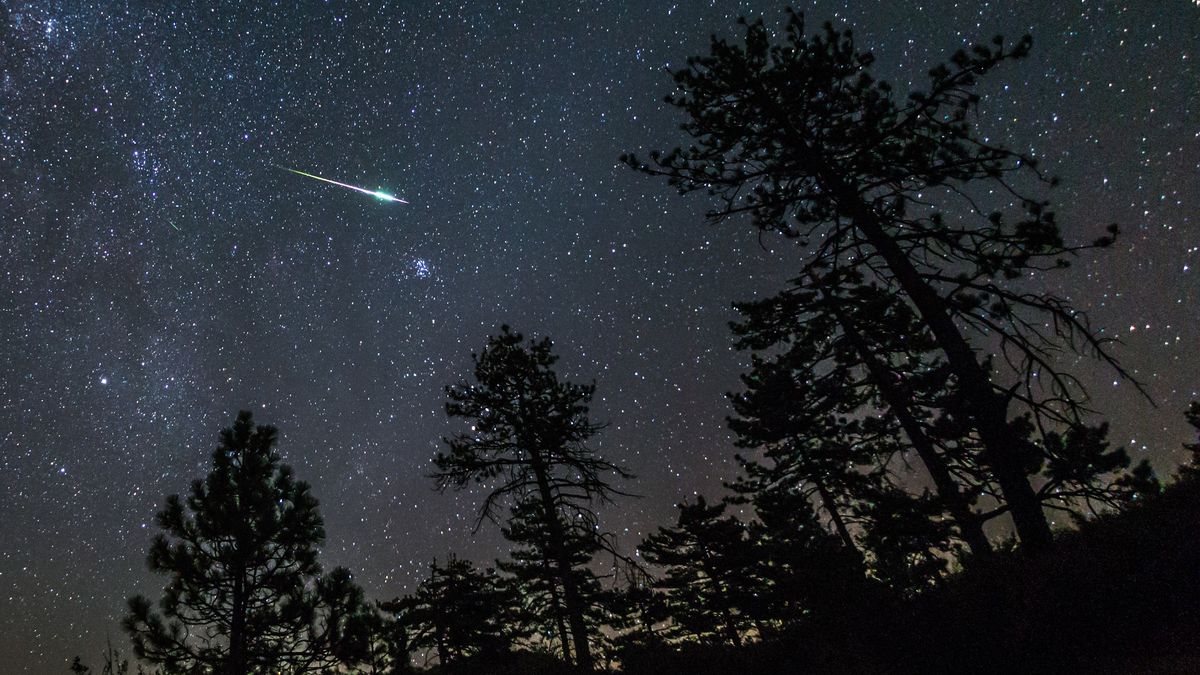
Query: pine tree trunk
column 559, row 622
column 969, row 524
column 1002, row 451
column 574, row 604
column 237, row 626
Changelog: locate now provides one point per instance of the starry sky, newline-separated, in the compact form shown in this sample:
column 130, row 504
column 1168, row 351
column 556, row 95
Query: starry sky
column 159, row 273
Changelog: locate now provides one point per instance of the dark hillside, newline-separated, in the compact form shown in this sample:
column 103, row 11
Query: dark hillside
column 1119, row 595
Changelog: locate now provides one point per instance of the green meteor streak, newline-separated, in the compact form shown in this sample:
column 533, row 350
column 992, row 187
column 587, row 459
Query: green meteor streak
column 382, row 196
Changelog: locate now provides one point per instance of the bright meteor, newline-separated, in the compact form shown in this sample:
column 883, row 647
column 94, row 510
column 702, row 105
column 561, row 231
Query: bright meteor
column 382, row 196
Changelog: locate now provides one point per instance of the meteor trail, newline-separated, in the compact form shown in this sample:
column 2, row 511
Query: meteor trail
column 382, row 196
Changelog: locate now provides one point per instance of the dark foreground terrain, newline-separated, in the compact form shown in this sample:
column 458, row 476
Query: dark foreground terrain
column 1119, row 595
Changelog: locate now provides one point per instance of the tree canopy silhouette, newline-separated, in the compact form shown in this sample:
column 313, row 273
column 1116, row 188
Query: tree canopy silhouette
column 246, row 594
column 458, row 612
column 532, row 569
column 803, row 138
column 710, row 566
column 850, row 388
column 1192, row 414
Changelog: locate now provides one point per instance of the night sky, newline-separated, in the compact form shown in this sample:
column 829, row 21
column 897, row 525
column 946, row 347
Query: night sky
column 159, row 273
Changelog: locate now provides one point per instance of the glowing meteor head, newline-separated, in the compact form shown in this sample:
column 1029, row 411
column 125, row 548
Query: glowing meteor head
column 383, row 196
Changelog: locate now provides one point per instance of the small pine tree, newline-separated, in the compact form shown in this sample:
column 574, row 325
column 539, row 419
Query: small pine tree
column 803, row 569
column 112, row 662
column 709, row 566
column 457, row 613
column 635, row 611
column 908, row 539
column 386, row 647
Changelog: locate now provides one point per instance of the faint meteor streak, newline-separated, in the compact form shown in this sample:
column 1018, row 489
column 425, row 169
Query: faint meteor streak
column 382, row 196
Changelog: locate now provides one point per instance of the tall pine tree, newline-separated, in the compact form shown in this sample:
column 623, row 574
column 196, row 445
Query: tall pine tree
column 246, row 594
column 802, row 137
column 528, row 441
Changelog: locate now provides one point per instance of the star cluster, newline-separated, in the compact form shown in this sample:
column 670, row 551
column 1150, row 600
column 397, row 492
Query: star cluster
column 159, row 272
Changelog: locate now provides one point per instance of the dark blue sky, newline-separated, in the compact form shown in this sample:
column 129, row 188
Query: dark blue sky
column 159, row 274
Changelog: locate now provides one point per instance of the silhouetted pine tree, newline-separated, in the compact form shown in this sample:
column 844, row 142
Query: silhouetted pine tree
column 801, row 569
column 458, row 612
column 531, row 565
column 863, row 370
column 1083, row 474
column 112, row 662
column 528, row 442
column 844, row 401
column 799, row 423
column 357, row 632
column 246, row 594
column 908, row 540
column 386, row 650
column 813, row 413
column 801, row 136
column 709, row 567
column 635, row 612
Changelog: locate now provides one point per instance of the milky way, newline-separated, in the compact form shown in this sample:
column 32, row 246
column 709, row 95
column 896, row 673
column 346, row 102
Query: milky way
column 158, row 274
